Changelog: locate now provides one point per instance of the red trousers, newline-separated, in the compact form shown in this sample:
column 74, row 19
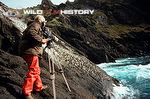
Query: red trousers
column 32, row 80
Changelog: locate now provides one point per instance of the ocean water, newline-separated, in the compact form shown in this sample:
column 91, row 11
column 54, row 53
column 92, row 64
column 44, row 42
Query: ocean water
column 134, row 77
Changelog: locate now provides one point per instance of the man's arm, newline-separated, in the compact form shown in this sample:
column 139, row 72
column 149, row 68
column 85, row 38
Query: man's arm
column 34, row 34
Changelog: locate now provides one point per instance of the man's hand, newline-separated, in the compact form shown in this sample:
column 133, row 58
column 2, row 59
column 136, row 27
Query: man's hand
column 45, row 41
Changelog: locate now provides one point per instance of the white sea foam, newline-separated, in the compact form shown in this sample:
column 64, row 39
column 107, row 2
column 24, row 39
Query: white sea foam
column 134, row 79
column 123, row 92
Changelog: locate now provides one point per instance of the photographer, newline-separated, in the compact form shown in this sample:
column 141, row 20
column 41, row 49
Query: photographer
column 31, row 51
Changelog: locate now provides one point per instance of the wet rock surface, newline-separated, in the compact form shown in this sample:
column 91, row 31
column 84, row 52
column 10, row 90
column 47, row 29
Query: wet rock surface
column 104, row 35
column 86, row 80
column 10, row 35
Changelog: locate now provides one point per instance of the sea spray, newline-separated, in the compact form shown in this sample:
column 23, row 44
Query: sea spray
column 133, row 76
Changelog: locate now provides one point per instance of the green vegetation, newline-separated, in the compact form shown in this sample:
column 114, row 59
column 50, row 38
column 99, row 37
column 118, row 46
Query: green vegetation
column 115, row 31
column 54, row 22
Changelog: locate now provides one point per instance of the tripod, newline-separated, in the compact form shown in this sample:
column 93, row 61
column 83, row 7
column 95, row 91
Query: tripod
column 52, row 72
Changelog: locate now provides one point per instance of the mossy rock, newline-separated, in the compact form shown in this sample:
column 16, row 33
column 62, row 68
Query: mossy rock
column 54, row 22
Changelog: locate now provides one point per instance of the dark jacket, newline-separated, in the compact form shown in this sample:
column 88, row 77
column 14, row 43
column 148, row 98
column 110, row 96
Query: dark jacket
column 32, row 40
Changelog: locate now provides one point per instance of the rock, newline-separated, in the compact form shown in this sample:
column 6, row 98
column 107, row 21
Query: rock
column 3, row 7
column 138, row 43
column 12, row 70
column 81, row 38
column 10, row 35
column 79, row 41
column 46, row 4
column 91, row 34
column 86, row 80
column 80, row 73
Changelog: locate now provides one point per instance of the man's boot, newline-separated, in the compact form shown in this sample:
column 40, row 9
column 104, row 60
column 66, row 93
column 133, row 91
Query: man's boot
column 29, row 97
column 44, row 87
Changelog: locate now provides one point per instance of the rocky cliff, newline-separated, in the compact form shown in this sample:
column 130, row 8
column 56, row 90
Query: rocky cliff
column 86, row 80
column 105, row 34
column 117, row 28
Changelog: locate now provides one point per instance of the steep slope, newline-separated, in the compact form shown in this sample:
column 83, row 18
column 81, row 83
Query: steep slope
column 86, row 80
column 116, row 29
column 9, row 35
column 98, row 36
column 103, row 35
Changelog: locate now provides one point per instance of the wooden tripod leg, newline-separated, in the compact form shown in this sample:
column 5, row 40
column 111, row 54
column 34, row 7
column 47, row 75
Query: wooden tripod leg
column 62, row 73
column 66, row 82
column 53, row 80
column 52, row 76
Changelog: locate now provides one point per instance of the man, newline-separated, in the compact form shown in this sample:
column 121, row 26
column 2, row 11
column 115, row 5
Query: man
column 31, row 51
